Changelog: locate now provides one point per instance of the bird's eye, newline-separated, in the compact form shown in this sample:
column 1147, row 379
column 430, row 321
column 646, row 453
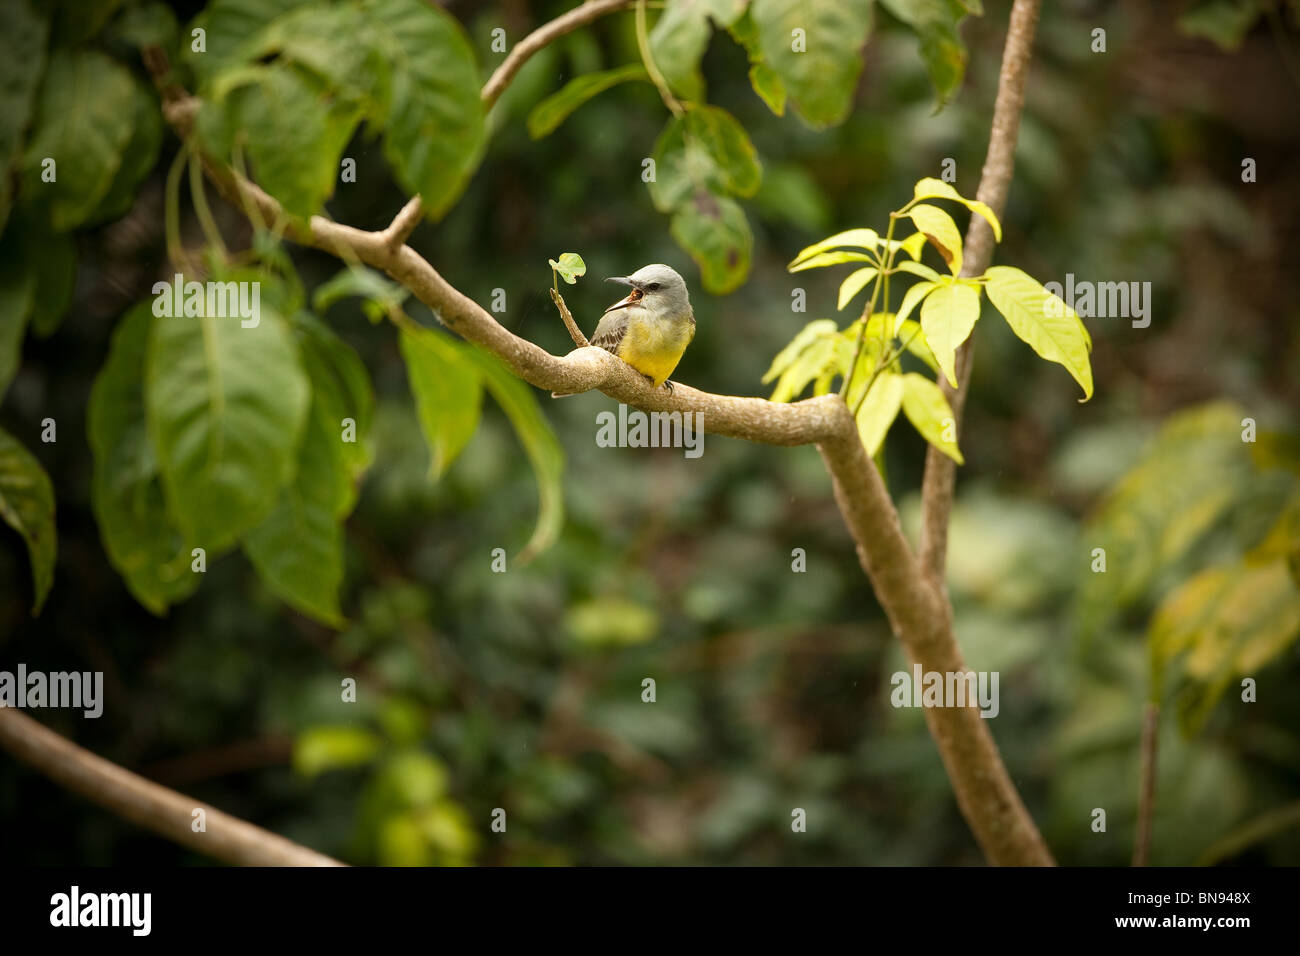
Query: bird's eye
column 652, row 287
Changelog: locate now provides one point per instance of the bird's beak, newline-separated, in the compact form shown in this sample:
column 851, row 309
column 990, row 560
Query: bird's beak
column 632, row 296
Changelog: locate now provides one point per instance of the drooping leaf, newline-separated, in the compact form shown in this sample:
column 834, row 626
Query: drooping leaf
column 941, row 232
column 928, row 410
column 879, row 410
column 708, row 151
column 340, row 391
column 380, row 296
column 913, row 297
column 79, row 126
column 715, row 232
column 680, row 37
column 947, row 317
column 17, row 296
column 226, row 405
column 540, row 445
column 22, row 60
column 937, row 189
column 546, row 117
column 1058, row 337
column 815, row 47
column 27, row 506
column 138, row 157
column 936, row 24
column 142, row 542
column 229, row 26
column 434, row 132
column 448, row 387
column 298, row 549
column 294, row 129
column 854, row 284
column 803, row 338
column 766, row 81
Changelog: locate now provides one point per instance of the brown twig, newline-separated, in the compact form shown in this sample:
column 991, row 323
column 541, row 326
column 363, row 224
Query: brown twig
column 1147, row 794
column 579, row 16
column 145, row 803
column 575, row 333
column 995, row 182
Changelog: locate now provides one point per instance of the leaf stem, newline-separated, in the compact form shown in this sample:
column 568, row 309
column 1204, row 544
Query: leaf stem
column 643, row 44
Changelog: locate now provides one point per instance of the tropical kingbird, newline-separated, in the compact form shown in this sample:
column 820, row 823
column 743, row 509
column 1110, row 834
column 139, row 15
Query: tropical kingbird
column 651, row 327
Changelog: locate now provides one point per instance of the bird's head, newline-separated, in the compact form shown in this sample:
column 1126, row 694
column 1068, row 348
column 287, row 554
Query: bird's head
column 657, row 289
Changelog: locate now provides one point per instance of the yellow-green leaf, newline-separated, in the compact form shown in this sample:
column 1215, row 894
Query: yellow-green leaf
column 879, row 410
column 824, row 259
column 1057, row 335
column 947, row 317
column 854, row 284
column 938, row 189
column 937, row 227
column 856, row 238
column 927, row 408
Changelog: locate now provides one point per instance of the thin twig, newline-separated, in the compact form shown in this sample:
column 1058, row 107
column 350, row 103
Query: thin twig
column 579, row 16
column 145, row 803
column 1147, row 795
column 575, row 333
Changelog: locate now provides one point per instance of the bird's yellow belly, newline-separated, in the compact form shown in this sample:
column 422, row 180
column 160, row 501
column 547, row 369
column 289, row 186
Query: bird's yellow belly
column 654, row 351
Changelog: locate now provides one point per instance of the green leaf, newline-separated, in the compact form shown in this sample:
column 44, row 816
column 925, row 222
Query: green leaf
column 229, row 26
column 938, row 189
column 1224, row 22
column 803, row 338
column 708, row 151
column 151, row 23
column 815, row 360
column 824, row 259
column 27, row 506
column 936, row 25
column 716, row 132
column 540, row 445
column 917, row 268
column 947, row 317
column 22, row 60
column 913, row 245
column 680, row 37
column 17, row 297
column 82, row 102
column 294, row 128
column 610, row 622
column 448, row 389
column 546, row 117
column 941, row 232
column 298, row 549
column 1058, row 338
column 126, row 486
column 341, row 390
column 569, row 266
column 879, row 410
column 226, row 407
column 855, row 238
column 854, row 284
column 768, row 85
column 434, row 130
column 820, row 78
column 138, row 157
column 928, row 410
column 715, row 232
column 381, row 296
column 912, row 298
column 319, row 749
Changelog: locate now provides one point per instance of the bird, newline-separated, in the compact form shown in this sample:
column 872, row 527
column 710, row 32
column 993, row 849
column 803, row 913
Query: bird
column 650, row 328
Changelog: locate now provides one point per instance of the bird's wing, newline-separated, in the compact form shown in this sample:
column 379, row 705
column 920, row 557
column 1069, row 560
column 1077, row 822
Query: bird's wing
column 609, row 333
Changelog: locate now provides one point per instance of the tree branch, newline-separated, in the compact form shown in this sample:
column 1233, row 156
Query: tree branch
column 146, row 804
column 995, row 182
column 565, row 23
column 917, row 607
column 575, row 333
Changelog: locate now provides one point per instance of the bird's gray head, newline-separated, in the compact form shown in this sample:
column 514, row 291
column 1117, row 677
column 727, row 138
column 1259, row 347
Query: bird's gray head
column 656, row 288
